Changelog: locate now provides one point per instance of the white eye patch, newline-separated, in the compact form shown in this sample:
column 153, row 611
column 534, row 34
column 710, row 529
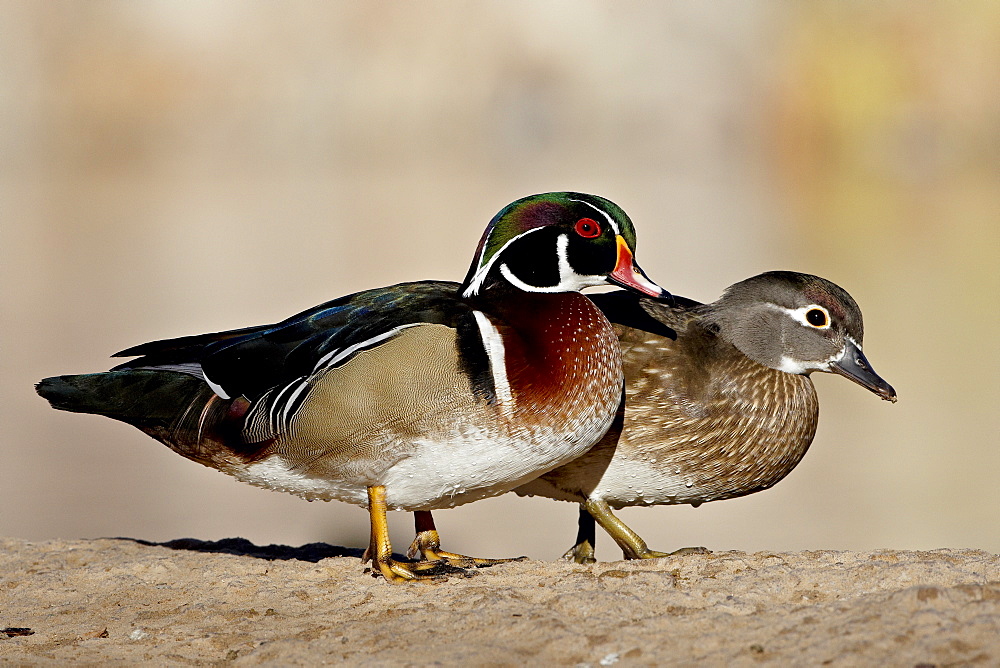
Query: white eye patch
column 813, row 316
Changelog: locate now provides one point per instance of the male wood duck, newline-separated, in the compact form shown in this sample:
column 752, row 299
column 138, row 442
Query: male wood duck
column 413, row 397
column 718, row 403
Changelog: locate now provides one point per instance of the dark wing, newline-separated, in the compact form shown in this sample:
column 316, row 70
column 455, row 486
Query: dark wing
column 655, row 316
column 184, row 348
column 251, row 361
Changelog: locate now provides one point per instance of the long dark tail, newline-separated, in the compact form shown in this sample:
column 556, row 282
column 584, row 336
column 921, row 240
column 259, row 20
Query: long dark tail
column 177, row 409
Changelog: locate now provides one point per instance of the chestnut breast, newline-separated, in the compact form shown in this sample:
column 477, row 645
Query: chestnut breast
column 562, row 367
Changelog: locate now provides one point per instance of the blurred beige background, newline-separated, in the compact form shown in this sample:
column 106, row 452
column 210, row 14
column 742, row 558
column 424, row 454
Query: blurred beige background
column 175, row 168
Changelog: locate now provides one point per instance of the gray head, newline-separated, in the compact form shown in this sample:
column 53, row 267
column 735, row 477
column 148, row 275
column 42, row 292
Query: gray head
column 796, row 323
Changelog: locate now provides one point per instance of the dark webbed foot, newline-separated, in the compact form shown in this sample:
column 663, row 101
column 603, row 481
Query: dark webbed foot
column 586, row 540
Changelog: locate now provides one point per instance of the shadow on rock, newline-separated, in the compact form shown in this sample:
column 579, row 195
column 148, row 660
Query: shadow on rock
column 312, row 552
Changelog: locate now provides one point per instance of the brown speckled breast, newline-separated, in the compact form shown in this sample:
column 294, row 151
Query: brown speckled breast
column 702, row 422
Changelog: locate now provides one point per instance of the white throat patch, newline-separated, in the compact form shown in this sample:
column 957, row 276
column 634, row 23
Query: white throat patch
column 569, row 280
column 790, row 365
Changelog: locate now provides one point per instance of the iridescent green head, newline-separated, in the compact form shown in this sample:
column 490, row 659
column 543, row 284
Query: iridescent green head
column 558, row 242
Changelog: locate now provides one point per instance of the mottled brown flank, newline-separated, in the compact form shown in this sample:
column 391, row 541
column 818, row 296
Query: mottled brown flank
column 699, row 413
column 731, row 427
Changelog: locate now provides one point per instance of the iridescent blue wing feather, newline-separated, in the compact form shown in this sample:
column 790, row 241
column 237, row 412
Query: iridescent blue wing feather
column 248, row 362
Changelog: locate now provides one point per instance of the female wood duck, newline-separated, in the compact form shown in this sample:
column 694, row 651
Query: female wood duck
column 411, row 397
column 719, row 402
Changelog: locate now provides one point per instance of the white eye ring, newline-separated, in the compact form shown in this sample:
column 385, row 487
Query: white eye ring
column 801, row 315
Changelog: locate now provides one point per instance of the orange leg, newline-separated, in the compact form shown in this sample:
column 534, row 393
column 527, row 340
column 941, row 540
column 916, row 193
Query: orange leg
column 379, row 550
column 427, row 546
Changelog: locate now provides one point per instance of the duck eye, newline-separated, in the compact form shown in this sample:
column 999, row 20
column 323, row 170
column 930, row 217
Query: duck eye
column 588, row 228
column 816, row 317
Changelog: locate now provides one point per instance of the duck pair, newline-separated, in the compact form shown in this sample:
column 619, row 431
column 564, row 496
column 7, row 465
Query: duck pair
column 427, row 395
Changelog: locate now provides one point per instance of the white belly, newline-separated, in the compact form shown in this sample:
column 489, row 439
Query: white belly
column 621, row 482
column 436, row 475
column 627, row 484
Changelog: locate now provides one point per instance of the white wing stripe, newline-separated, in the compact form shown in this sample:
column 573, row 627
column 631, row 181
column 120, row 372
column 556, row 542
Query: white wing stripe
column 215, row 386
column 278, row 402
column 332, row 358
column 291, row 405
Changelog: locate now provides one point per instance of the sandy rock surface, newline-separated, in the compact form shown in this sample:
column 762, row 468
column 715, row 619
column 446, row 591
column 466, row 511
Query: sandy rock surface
column 122, row 602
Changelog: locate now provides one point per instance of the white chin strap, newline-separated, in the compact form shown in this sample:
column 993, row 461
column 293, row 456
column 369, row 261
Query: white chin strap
column 790, row 365
column 569, row 280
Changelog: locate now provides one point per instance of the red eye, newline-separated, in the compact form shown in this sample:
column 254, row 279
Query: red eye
column 588, row 228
